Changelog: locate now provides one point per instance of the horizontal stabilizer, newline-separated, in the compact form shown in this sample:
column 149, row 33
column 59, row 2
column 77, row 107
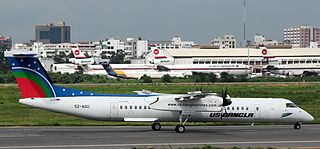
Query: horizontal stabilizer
column 19, row 53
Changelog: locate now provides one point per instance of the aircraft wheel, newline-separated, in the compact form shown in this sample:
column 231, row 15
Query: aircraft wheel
column 297, row 126
column 180, row 129
column 156, row 126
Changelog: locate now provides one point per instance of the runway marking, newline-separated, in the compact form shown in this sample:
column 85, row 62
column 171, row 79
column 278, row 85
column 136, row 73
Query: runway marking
column 160, row 144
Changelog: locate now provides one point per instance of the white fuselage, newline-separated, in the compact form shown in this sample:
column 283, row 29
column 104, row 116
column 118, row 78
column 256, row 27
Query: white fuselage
column 64, row 68
column 141, row 109
column 138, row 70
column 82, row 61
column 234, row 69
column 295, row 69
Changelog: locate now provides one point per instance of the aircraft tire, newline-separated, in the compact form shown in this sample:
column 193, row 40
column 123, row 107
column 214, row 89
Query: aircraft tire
column 180, row 129
column 297, row 126
column 156, row 126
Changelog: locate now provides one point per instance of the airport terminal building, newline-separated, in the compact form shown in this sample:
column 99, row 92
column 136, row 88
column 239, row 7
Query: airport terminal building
column 255, row 57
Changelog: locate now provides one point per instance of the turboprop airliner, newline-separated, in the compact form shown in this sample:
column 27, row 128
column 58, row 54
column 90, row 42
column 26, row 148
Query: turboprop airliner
column 38, row 91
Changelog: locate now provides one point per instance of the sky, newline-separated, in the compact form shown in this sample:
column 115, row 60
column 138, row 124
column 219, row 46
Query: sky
column 196, row 20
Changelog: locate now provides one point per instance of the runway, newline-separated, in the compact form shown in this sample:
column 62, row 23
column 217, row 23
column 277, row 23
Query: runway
column 143, row 136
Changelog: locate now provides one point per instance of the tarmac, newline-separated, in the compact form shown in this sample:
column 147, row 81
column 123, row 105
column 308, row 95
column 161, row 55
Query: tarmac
column 144, row 137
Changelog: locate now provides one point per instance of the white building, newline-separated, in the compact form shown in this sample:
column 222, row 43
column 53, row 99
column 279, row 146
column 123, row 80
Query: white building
column 22, row 46
column 138, row 47
column 228, row 41
column 260, row 40
column 175, row 43
column 48, row 50
column 109, row 46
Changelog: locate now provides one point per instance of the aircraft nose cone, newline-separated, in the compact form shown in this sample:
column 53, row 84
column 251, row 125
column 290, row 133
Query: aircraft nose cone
column 308, row 117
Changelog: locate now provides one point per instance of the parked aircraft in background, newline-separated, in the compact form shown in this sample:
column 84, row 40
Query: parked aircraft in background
column 293, row 69
column 136, row 71
column 38, row 91
column 80, row 58
column 65, row 68
column 217, row 69
column 157, row 71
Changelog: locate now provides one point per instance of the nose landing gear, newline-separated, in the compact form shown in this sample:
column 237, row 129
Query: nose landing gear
column 297, row 126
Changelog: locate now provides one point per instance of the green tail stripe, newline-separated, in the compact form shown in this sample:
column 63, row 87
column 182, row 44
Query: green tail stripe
column 40, row 82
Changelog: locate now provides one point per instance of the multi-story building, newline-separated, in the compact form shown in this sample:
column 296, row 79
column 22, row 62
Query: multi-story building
column 137, row 46
column 53, row 33
column 228, row 41
column 175, row 43
column 109, row 46
column 5, row 42
column 260, row 40
column 48, row 50
column 22, row 46
column 301, row 36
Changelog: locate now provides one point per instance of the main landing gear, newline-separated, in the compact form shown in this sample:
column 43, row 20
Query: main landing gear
column 297, row 125
column 156, row 126
column 180, row 128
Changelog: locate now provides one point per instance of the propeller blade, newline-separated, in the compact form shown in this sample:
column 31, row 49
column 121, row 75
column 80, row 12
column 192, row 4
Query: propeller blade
column 225, row 98
column 221, row 113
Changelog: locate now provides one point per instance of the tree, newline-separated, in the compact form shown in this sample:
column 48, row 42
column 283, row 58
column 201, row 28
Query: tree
column 103, row 55
column 87, row 54
column 146, row 79
column 204, row 77
column 226, row 77
column 118, row 58
column 166, row 78
column 4, row 66
column 70, row 55
column 60, row 57
column 213, row 78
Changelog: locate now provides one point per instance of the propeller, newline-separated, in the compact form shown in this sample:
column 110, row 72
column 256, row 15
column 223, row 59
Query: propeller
column 225, row 98
column 225, row 101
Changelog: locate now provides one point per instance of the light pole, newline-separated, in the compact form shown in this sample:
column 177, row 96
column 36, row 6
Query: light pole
column 248, row 42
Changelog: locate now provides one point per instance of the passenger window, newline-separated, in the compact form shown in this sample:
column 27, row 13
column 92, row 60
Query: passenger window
column 145, row 107
column 140, row 107
column 126, row 107
column 257, row 108
column 237, row 108
column 120, row 107
column 228, row 108
column 242, row 108
column 135, row 107
column 130, row 107
column 247, row 108
column 291, row 105
column 232, row 108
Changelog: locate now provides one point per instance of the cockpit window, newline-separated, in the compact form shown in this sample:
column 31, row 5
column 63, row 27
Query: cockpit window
column 291, row 105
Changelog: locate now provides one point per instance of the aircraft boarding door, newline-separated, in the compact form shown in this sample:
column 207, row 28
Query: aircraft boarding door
column 113, row 110
column 257, row 110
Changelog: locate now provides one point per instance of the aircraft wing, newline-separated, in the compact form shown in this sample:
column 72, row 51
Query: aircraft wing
column 196, row 95
column 147, row 92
